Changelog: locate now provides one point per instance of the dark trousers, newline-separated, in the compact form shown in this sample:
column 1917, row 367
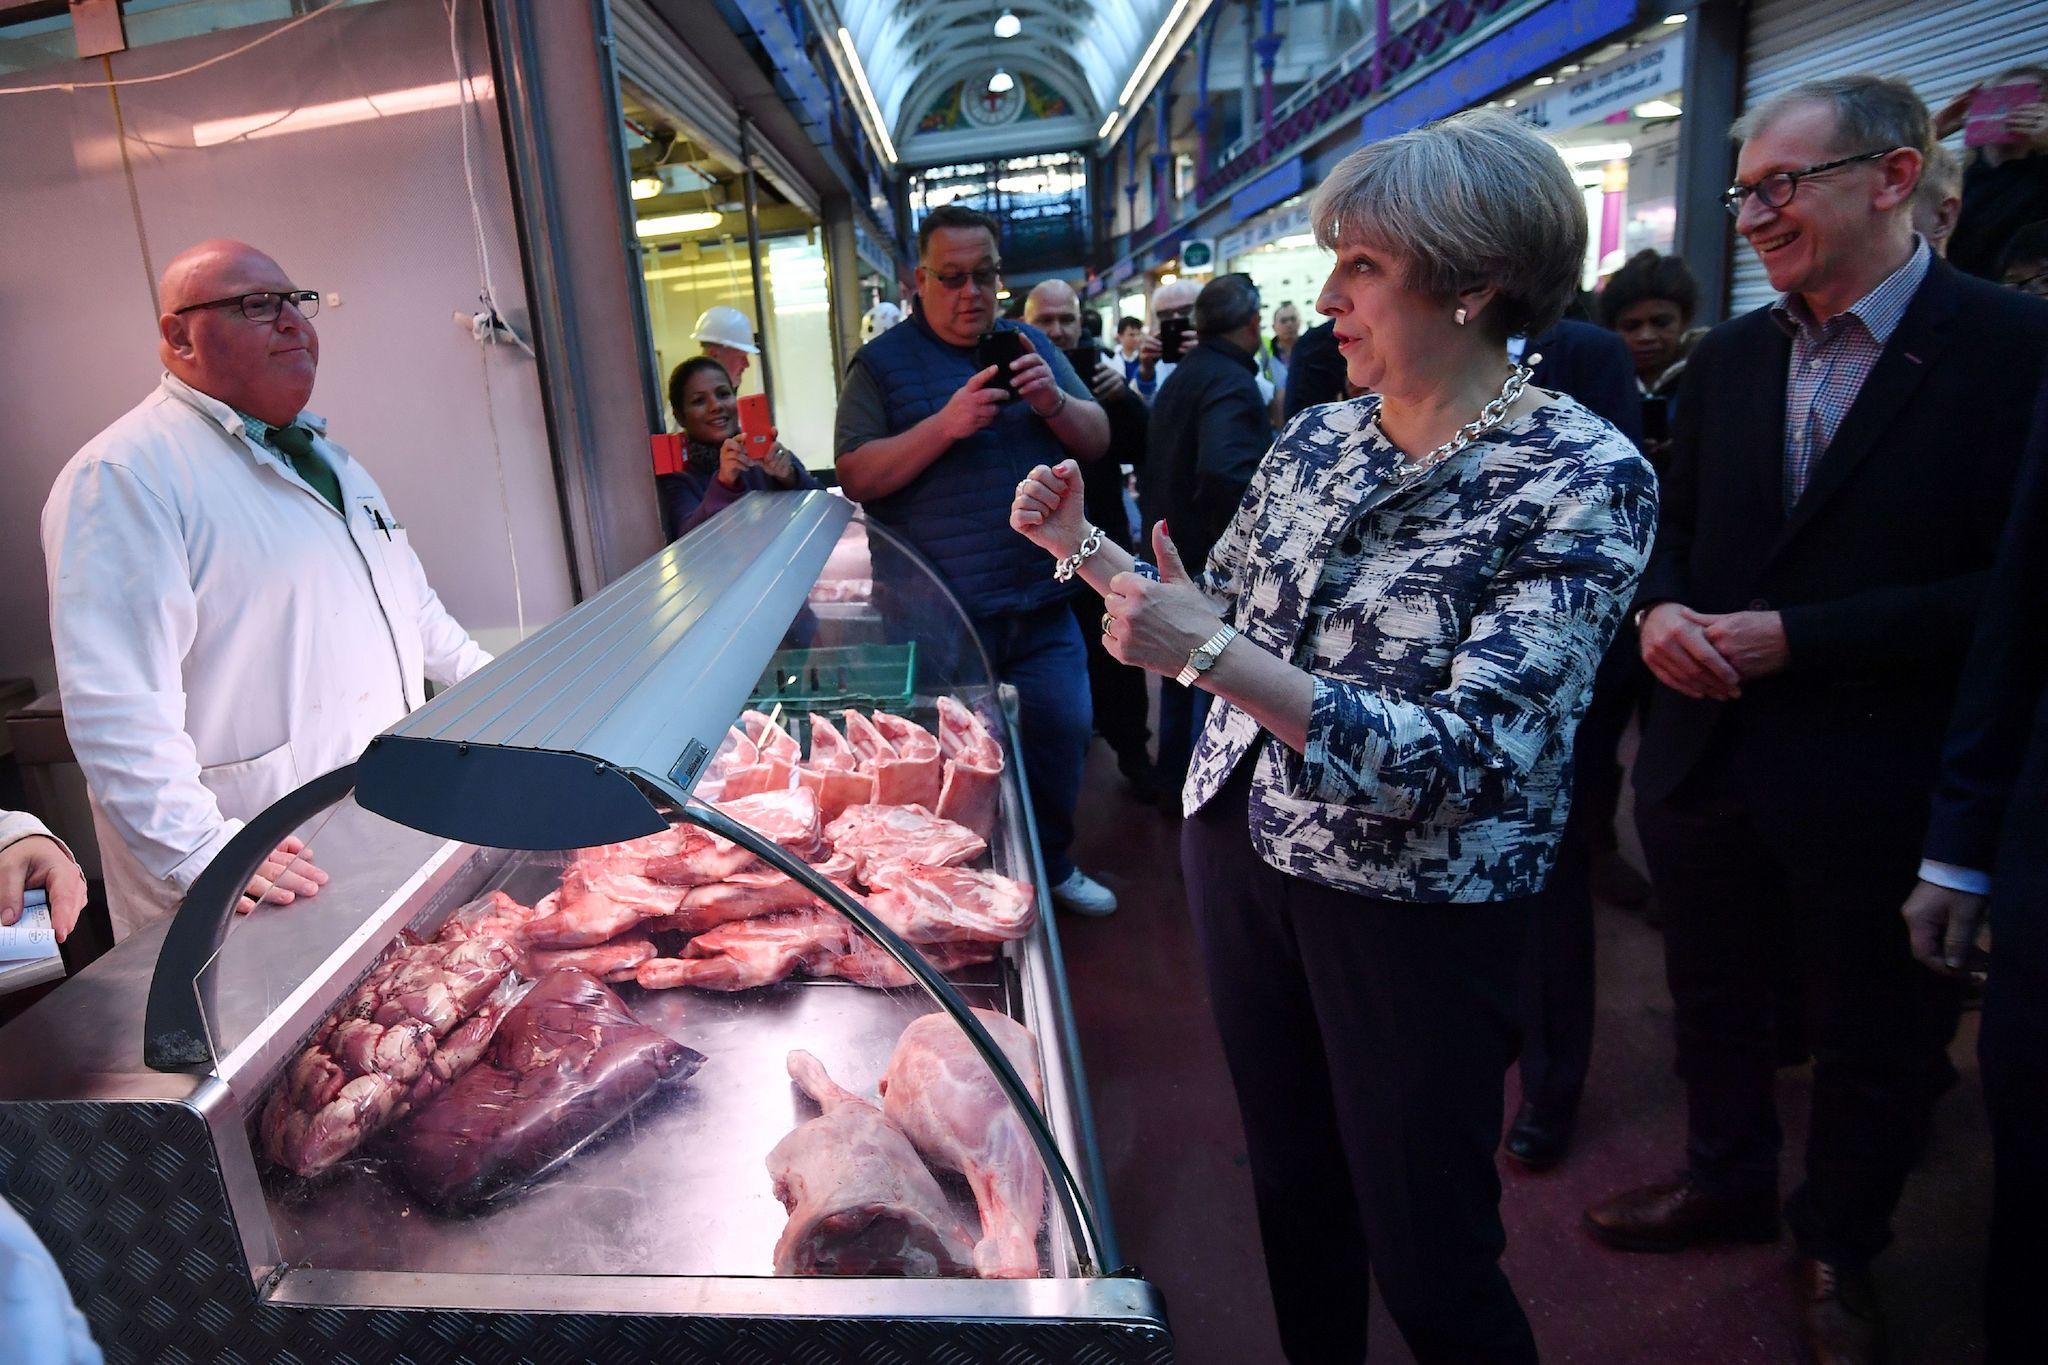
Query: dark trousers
column 1040, row 654
column 2013, row 1051
column 1557, row 982
column 1739, row 897
column 1116, row 690
column 1366, row 1040
column 1182, row 713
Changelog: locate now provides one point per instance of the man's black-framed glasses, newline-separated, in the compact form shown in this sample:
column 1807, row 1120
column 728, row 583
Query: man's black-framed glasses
column 984, row 277
column 266, row 305
column 1777, row 188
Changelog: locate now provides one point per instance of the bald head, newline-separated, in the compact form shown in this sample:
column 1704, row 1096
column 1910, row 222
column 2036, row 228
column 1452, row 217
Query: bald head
column 1054, row 309
column 265, row 369
column 1174, row 300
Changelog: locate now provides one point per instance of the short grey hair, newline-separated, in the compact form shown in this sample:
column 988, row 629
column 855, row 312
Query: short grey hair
column 1473, row 199
column 1941, row 178
column 1872, row 113
column 1225, row 304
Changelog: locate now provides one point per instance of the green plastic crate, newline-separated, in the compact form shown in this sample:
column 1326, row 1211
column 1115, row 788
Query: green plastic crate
column 838, row 676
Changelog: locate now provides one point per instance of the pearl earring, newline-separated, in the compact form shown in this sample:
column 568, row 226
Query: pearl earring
column 1459, row 316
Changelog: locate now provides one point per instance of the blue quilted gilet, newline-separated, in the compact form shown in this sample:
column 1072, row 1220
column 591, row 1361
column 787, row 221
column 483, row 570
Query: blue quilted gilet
column 957, row 513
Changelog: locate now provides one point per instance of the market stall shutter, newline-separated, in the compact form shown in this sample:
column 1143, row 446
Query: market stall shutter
column 1939, row 47
column 679, row 83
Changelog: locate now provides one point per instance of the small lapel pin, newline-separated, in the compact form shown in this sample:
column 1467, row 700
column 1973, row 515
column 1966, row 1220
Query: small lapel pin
column 1914, row 358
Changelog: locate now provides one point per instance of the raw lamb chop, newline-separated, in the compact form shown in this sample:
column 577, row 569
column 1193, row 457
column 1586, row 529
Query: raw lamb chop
column 736, row 752
column 877, row 833
column 789, row 816
column 914, row 777
column 949, row 904
column 568, row 1061
column 596, row 904
column 860, row 1199
column 749, row 953
column 867, row 965
column 613, row 961
column 368, row 1059
column 941, row 1093
column 898, row 780
column 689, row 855
column 496, row 915
column 972, row 785
column 833, row 771
column 750, row 895
column 775, row 755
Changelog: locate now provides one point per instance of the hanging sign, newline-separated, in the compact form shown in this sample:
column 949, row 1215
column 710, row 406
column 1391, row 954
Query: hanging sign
column 1608, row 88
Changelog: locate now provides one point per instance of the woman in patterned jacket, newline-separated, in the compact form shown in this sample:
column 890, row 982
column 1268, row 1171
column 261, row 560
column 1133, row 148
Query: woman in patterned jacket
column 1401, row 628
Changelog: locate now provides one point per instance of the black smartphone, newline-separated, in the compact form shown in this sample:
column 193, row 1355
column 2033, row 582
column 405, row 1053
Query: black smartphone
column 1656, row 419
column 1086, row 360
column 1173, row 339
column 999, row 348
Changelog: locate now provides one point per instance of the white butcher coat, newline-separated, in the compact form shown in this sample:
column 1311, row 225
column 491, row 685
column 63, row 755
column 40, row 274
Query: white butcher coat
column 223, row 635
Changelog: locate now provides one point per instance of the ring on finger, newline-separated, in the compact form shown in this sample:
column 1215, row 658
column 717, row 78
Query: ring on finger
column 1107, row 622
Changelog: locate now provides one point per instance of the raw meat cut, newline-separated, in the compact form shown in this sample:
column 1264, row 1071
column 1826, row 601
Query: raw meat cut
column 770, row 739
column 495, row 915
column 368, row 1058
column 949, row 904
column 746, row 895
column 860, row 1199
column 737, row 751
column 879, row 833
column 972, row 787
column 943, row 1096
column 612, row 961
column 688, row 855
column 596, row 904
column 754, row 952
column 867, row 965
column 568, row 1061
column 775, row 752
column 842, row 590
column 833, row 771
column 913, row 777
column 790, row 817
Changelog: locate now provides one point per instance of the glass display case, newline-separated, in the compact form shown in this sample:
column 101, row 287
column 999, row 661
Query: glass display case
column 692, row 961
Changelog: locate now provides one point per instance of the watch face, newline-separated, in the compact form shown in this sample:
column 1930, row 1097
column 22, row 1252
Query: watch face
column 1202, row 659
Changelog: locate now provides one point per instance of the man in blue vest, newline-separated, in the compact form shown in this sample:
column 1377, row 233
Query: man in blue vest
column 934, row 453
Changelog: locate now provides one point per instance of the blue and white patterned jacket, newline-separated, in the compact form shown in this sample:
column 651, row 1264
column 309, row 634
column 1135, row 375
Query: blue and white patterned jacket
column 1451, row 669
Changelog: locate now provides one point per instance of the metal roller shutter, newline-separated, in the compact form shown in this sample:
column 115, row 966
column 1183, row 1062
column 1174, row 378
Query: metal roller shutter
column 650, row 55
column 1937, row 47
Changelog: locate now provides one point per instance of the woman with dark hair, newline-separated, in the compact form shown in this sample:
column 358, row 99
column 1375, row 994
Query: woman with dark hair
column 1650, row 301
column 717, row 468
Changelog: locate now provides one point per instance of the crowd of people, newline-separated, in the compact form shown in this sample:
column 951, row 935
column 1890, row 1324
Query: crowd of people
column 1405, row 578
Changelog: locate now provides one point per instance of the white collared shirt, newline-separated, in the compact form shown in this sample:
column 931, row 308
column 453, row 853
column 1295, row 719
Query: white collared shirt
column 222, row 633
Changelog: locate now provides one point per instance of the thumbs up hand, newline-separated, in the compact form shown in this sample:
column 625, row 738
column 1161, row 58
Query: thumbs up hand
column 1155, row 626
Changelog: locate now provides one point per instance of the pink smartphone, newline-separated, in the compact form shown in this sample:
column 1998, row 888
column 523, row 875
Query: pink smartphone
column 757, row 425
column 1985, row 123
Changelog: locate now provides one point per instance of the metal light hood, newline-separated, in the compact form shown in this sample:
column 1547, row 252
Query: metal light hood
column 582, row 732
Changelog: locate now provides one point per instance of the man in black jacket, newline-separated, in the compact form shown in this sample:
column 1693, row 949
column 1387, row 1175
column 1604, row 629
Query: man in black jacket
column 1841, row 469
column 1209, row 432
column 1985, row 842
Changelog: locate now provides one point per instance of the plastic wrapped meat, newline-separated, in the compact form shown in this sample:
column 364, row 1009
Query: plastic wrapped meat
column 971, row 790
column 612, row 961
column 379, row 1053
column 914, row 778
column 833, row 771
column 867, row 965
column 860, row 1199
column 753, row 952
column 569, row 1060
column 950, row 904
column 790, row 817
column 495, row 915
column 878, row 834
column 750, row 895
column 597, row 903
column 943, row 1096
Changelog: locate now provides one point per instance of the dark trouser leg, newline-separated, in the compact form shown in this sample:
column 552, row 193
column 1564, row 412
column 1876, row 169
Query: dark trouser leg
column 2013, row 1050
column 1308, row 1219
column 1879, row 1024
column 1116, row 690
column 1418, row 1007
column 1557, row 985
column 1176, row 731
column 1042, row 656
column 1724, row 920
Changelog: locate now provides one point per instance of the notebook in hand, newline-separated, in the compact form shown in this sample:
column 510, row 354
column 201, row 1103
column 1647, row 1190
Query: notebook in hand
column 28, row 947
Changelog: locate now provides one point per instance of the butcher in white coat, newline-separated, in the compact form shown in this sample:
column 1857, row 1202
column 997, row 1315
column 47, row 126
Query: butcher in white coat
column 234, row 605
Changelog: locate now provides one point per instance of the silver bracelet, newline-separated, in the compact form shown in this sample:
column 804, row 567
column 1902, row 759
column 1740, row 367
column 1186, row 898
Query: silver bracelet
column 1065, row 570
column 1057, row 408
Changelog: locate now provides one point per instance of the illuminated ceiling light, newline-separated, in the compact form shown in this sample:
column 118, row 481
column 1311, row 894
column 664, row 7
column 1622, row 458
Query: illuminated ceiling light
column 647, row 186
column 1168, row 278
column 1657, row 109
column 1509, row 103
column 867, row 94
column 1138, row 72
column 1008, row 25
column 1597, row 151
column 677, row 224
column 363, row 108
column 1569, row 69
column 1674, row 18
column 1107, row 124
column 1546, row 80
column 1001, row 83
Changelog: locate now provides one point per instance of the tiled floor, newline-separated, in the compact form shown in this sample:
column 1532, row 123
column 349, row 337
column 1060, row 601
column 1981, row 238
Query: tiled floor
column 1182, row 1198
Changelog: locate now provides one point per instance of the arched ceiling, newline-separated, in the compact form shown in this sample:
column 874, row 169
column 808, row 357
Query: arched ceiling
column 913, row 48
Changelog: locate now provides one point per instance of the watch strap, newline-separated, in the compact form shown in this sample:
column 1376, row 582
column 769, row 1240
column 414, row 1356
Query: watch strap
column 1203, row 656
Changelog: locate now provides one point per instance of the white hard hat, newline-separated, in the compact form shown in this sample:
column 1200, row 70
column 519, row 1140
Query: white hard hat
column 723, row 326
column 879, row 319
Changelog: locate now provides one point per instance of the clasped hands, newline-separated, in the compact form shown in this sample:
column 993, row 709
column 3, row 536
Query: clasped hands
column 1149, row 625
column 975, row 405
column 1709, row 657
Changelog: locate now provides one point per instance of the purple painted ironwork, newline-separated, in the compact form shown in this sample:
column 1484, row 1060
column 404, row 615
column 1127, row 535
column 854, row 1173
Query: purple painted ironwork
column 1380, row 21
column 1267, row 46
column 1208, row 44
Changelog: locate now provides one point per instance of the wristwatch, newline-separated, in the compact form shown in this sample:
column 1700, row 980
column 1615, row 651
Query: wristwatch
column 1203, row 656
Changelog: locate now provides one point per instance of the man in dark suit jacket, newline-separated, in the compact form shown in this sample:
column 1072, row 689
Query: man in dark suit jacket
column 1209, row 431
column 1592, row 365
column 1315, row 372
column 1842, row 465
column 1986, row 841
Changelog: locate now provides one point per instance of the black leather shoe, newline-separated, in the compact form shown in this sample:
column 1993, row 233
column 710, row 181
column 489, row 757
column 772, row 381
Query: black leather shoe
column 1838, row 1316
column 1537, row 1140
column 1677, row 1215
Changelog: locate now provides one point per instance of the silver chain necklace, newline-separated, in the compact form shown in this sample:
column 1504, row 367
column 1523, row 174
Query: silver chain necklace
column 1489, row 416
